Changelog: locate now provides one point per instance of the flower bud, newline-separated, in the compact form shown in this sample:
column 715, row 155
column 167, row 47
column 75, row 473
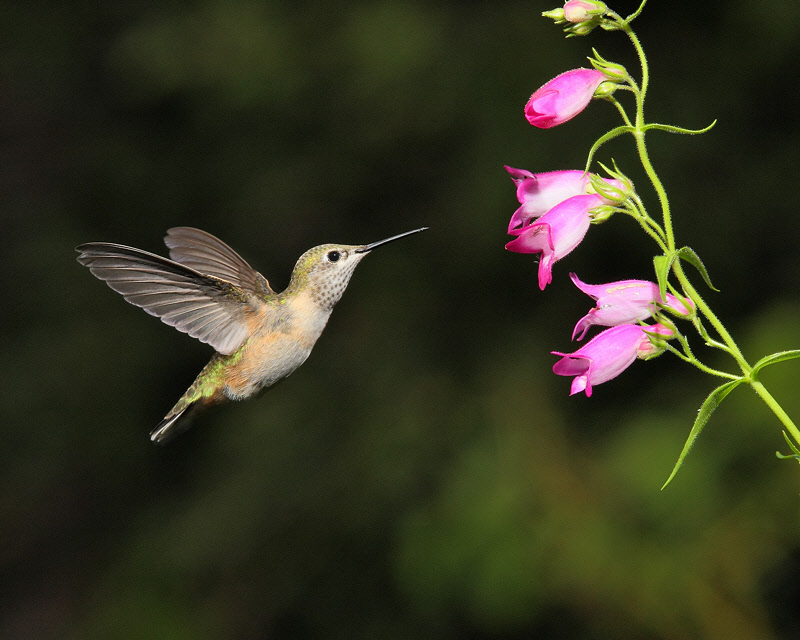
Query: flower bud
column 556, row 15
column 564, row 97
column 577, row 11
column 602, row 213
column 605, row 89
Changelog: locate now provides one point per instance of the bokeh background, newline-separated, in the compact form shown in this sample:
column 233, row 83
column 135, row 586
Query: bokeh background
column 424, row 474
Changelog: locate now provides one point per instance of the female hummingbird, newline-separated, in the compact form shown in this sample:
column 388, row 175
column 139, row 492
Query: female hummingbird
column 208, row 291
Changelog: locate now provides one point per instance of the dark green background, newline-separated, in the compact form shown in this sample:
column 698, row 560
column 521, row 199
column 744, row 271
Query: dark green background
column 424, row 474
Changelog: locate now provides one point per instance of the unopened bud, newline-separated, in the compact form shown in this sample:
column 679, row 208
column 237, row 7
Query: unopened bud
column 605, row 89
column 556, row 15
column 577, row 11
column 601, row 213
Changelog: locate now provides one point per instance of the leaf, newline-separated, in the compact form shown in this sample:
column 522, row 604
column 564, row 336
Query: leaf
column 775, row 357
column 713, row 400
column 671, row 129
column 687, row 254
column 794, row 456
column 662, row 265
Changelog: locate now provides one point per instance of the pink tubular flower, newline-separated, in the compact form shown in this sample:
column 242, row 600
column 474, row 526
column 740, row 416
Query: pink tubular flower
column 564, row 97
column 556, row 233
column 539, row 192
column 623, row 302
column 607, row 355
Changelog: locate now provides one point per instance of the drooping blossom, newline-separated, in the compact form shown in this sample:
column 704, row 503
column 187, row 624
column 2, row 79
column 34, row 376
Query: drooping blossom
column 607, row 355
column 556, row 233
column 539, row 192
column 623, row 302
column 563, row 97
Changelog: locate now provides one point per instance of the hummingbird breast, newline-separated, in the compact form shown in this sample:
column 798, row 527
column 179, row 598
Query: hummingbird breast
column 275, row 349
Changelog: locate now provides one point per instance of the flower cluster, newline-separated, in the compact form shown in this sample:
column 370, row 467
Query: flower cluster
column 556, row 210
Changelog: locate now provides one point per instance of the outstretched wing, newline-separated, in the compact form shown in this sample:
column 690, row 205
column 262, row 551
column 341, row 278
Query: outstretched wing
column 206, row 307
column 209, row 255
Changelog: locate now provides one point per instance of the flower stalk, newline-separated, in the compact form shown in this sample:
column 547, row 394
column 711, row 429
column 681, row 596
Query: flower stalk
column 552, row 221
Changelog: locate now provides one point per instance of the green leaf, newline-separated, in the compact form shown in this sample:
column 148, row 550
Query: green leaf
column 794, row 456
column 714, row 399
column 688, row 255
column 671, row 129
column 775, row 357
column 662, row 265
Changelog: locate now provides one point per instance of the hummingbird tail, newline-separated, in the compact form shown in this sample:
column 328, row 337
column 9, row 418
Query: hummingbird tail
column 179, row 418
column 204, row 392
column 175, row 422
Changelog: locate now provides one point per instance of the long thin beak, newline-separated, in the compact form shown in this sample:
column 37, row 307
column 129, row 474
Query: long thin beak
column 372, row 246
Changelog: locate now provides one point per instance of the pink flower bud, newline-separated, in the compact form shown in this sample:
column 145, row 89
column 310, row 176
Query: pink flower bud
column 607, row 355
column 577, row 11
column 623, row 302
column 556, row 233
column 564, row 97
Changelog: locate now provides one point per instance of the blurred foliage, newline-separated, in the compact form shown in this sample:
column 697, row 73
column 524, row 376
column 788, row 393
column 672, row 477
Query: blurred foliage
column 424, row 474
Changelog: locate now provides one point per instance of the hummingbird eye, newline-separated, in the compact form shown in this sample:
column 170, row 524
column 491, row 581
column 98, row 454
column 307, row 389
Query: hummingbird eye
column 333, row 256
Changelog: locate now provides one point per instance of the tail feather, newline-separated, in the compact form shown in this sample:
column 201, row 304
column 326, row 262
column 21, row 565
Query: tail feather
column 178, row 420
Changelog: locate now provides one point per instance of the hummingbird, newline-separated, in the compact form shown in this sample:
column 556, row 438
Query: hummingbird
column 207, row 290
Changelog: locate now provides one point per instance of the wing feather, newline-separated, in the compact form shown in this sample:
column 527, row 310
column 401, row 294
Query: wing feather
column 206, row 254
column 203, row 305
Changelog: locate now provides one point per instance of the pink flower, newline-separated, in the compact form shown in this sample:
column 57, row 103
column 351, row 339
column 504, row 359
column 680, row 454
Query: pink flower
column 539, row 192
column 607, row 355
column 623, row 302
column 564, row 97
column 556, row 233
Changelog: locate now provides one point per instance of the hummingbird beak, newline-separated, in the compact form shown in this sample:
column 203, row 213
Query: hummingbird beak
column 369, row 247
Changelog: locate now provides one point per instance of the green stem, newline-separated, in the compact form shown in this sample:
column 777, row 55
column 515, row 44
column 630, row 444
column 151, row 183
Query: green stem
column 691, row 359
column 777, row 409
column 641, row 147
column 621, row 110
column 729, row 343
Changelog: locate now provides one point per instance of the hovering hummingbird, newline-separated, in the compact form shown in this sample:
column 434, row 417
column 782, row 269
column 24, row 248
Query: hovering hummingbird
column 208, row 291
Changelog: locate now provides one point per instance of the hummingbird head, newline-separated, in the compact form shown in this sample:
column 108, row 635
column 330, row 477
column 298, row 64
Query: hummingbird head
column 326, row 270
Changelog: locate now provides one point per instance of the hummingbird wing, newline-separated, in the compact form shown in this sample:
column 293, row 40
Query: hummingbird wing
column 206, row 307
column 209, row 255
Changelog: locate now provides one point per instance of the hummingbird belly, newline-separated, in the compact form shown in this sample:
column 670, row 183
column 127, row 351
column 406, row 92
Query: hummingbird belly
column 264, row 362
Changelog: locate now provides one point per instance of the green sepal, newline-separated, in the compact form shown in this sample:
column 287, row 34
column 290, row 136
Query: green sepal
column 688, row 255
column 713, row 400
column 775, row 357
column 793, row 456
column 662, row 266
